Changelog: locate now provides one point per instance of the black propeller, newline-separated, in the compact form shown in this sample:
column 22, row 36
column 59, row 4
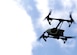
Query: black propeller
column 71, row 19
column 43, row 36
column 48, row 18
column 48, row 15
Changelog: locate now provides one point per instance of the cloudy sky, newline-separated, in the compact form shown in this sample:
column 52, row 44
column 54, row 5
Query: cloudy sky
column 21, row 23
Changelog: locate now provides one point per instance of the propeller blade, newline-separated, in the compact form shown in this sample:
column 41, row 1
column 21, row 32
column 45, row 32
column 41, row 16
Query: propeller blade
column 44, row 37
column 71, row 21
column 41, row 36
column 47, row 17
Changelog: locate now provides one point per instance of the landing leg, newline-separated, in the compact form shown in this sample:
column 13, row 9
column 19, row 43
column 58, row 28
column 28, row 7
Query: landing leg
column 44, row 39
column 64, row 41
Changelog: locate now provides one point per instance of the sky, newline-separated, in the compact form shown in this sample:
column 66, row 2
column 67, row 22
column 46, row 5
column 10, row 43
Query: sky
column 21, row 24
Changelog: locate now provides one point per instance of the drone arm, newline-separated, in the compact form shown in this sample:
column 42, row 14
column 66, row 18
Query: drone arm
column 58, row 24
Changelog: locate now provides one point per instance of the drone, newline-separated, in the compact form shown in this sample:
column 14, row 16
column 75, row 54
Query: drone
column 56, row 32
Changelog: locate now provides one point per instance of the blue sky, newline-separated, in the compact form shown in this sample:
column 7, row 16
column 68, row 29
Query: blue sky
column 21, row 23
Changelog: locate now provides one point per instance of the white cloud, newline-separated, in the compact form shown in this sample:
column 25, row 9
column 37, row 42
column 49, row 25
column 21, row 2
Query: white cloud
column 16, row 29
column 66, row 3
column 42, row 6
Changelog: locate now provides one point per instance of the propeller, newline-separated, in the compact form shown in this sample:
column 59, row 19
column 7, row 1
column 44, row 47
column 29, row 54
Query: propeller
column 71, row 21
column 48, row 18
column 48, row 15
column 42, row 36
